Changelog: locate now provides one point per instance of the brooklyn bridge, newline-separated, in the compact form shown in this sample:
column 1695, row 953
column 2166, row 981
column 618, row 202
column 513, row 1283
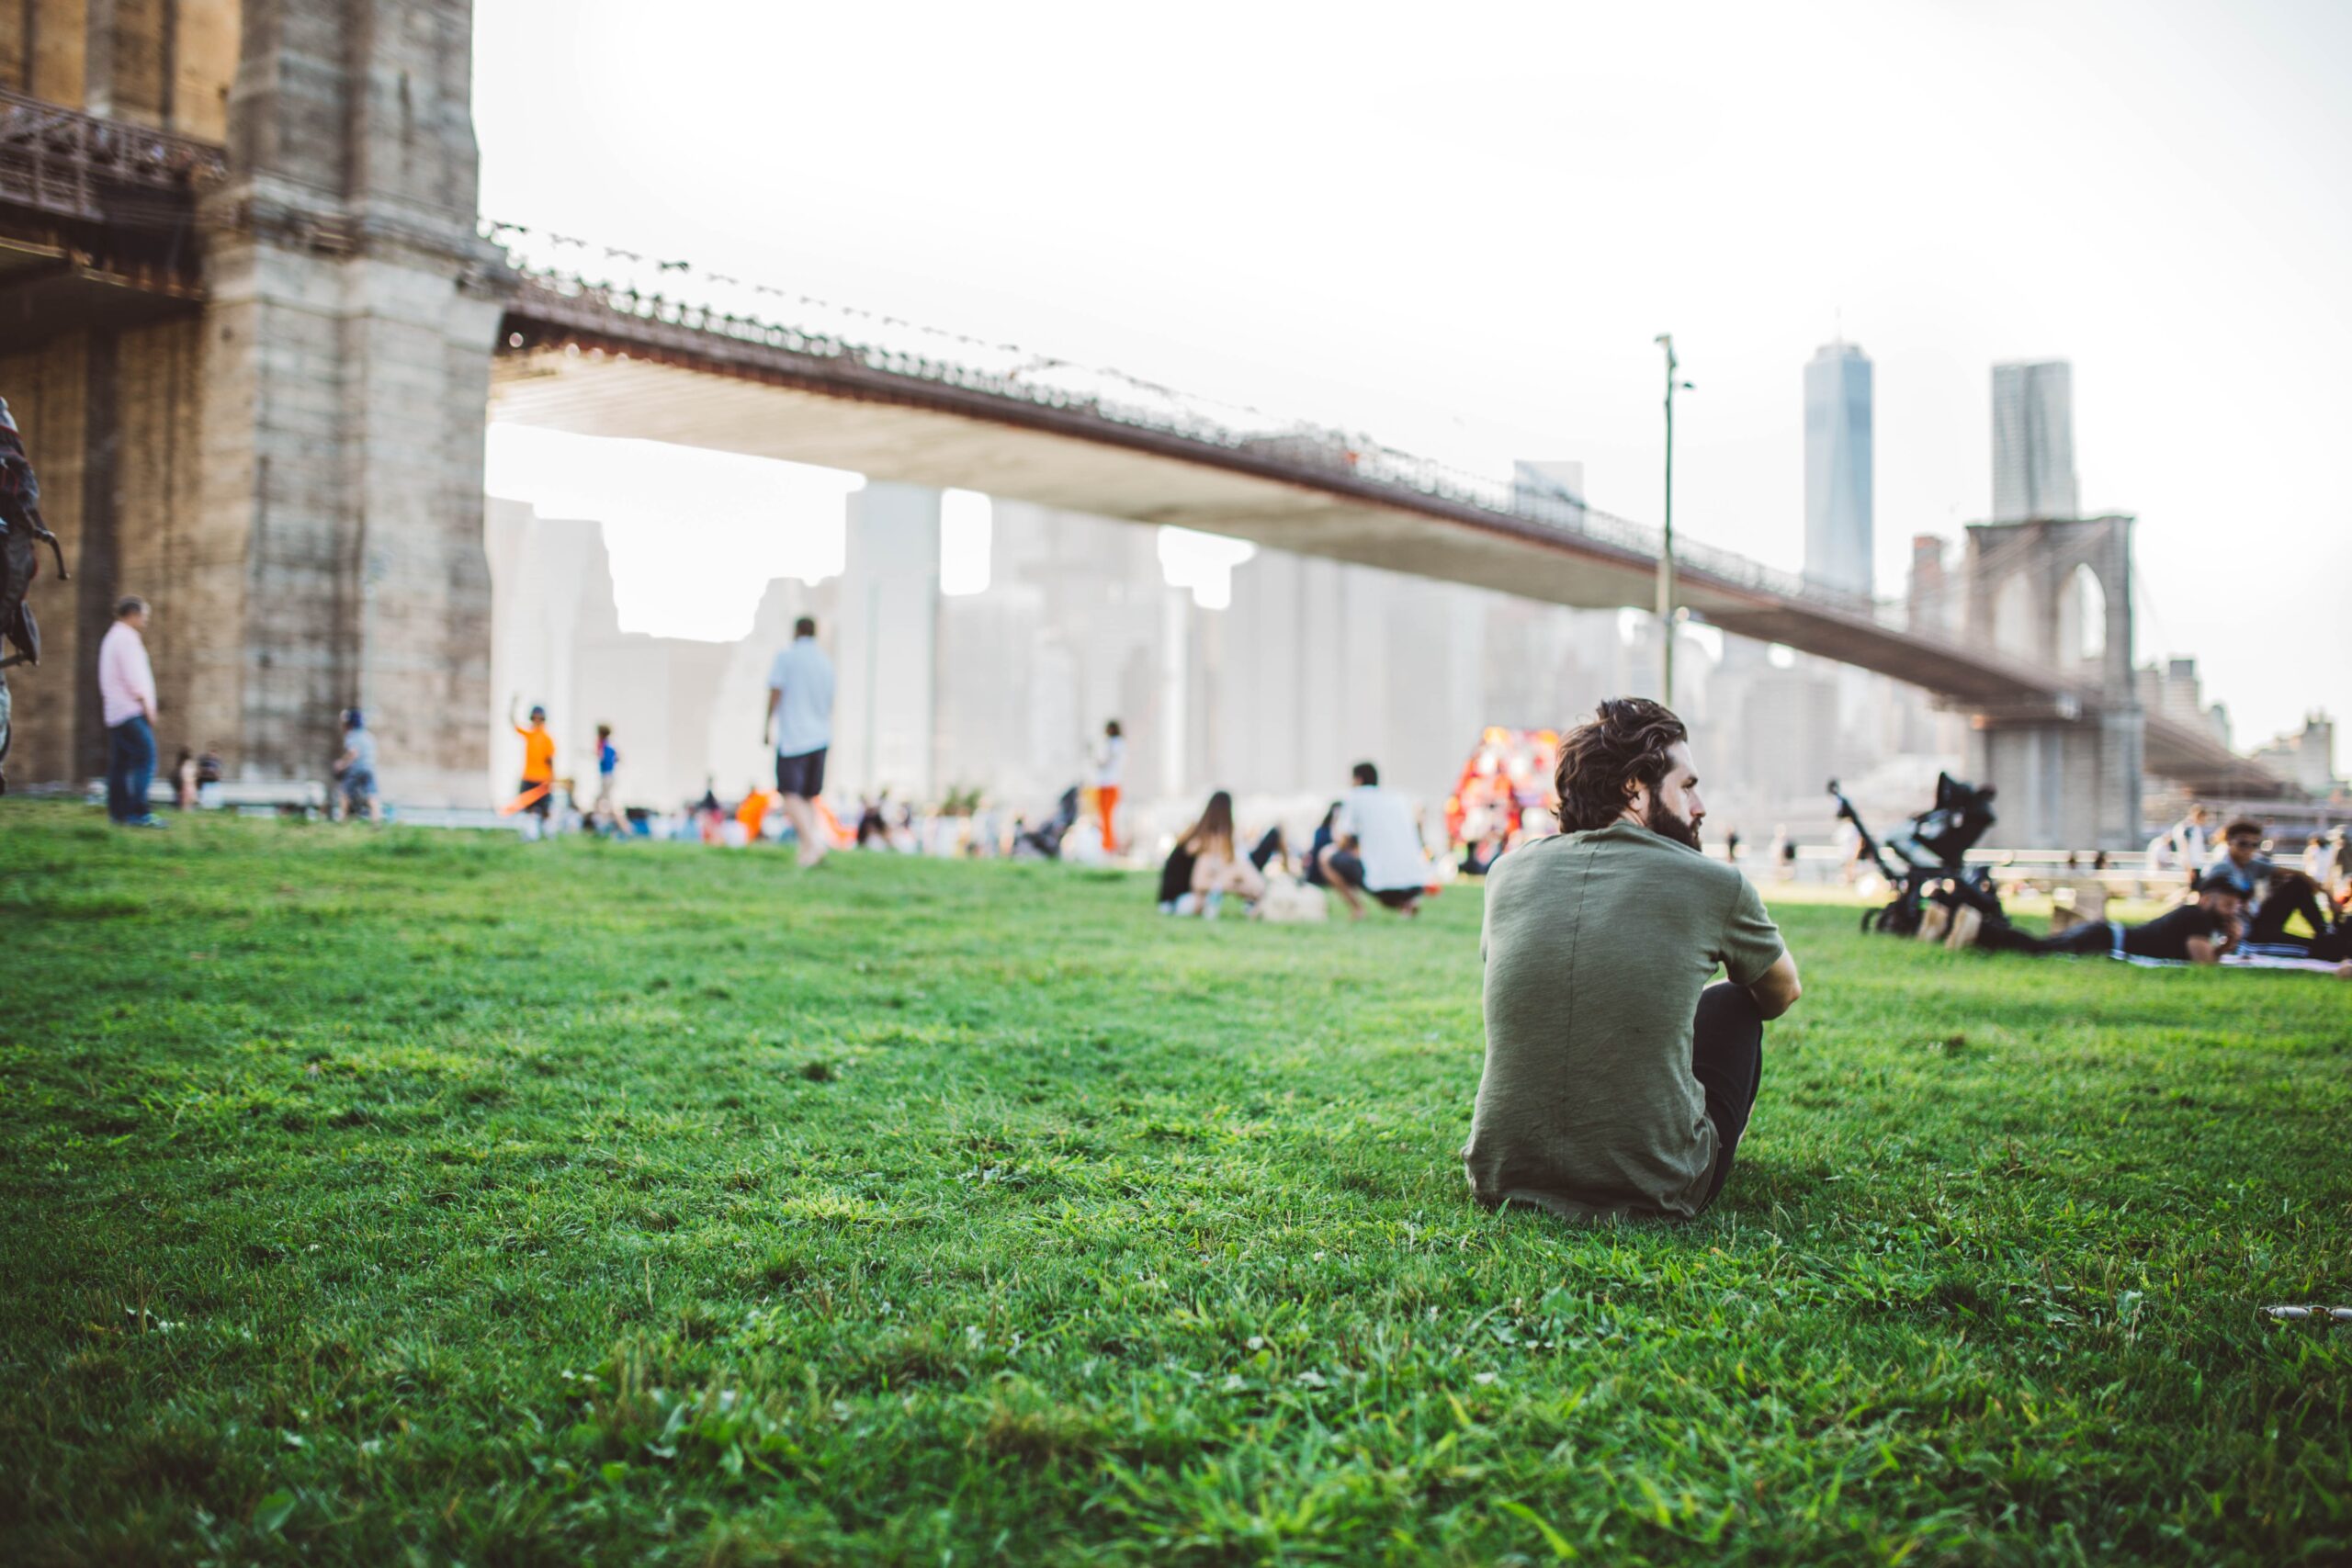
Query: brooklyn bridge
column 253, row 326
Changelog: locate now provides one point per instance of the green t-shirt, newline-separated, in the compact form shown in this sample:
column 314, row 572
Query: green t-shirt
column 1596, row 946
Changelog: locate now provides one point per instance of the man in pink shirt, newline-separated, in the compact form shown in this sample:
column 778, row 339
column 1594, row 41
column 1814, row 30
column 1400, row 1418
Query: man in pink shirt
column 127, row 694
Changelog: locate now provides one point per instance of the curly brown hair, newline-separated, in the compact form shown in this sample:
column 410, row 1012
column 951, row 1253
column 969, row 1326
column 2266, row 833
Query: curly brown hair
column 1622, row 744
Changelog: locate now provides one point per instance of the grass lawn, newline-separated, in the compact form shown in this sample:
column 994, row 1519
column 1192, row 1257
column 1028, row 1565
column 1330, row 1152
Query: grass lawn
column 384, row 1196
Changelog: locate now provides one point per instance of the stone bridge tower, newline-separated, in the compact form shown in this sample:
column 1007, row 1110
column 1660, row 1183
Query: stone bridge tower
column 287, row 461
column 2057, row 594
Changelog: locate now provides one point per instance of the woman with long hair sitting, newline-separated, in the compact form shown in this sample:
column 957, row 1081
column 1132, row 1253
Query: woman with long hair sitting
column 1204, row 866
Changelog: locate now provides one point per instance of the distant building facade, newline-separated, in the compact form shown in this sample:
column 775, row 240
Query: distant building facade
column 683, row 712
column 2174, row 689
column 1311, row 665
column 2033, row 442
column 2306, row 755
column 1837, row 475
column 1928, row 601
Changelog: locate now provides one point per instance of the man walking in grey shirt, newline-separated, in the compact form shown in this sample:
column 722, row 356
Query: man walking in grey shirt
column 1618, row 1081
column 800, row 723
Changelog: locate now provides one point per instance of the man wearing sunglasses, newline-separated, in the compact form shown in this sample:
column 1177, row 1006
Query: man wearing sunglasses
column 2272, row 893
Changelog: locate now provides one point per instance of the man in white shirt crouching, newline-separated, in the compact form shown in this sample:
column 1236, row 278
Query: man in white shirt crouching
column 1375, row 849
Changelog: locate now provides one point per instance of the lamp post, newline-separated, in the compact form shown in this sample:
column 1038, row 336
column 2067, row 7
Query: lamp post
column 1666, row 545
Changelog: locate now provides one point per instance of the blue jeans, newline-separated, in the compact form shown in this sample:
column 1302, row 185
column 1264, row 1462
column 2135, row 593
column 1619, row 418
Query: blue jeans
column 130, row 768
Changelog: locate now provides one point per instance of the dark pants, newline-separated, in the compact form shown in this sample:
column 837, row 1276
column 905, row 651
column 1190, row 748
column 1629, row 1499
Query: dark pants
column 1268, row 848
column 1347, row 866
column 1728, row 1058
column 802, row 774
column 2289, row 895
column 130, row 768
column 1316, row 876
column 2094, row 939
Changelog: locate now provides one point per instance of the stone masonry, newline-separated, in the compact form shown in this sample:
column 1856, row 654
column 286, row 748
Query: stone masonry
column 348, row 328
column 294, row 480
column 2071, row 775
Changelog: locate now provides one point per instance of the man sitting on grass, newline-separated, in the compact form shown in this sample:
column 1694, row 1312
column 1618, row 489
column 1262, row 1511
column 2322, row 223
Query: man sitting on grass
column 1618, row 1080
column 2271, row 894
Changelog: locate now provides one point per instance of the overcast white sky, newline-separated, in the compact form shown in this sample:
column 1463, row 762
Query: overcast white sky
column 1459, row 228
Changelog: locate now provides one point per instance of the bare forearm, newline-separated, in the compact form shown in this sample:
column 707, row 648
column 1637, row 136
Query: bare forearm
column 1776, row 990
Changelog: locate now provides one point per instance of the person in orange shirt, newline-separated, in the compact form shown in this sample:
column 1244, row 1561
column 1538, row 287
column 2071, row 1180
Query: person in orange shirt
column 539, row 761
column 753, row 813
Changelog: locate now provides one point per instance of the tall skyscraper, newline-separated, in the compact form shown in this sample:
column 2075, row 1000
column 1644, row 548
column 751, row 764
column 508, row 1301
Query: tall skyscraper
column 2033, row 441
column 1837, row 468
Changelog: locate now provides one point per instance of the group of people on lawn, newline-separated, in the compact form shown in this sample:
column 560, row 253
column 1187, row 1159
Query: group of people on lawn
column 2240, row 901
column 1368, row 846
column 1617, row 1078
column 1620, row 1073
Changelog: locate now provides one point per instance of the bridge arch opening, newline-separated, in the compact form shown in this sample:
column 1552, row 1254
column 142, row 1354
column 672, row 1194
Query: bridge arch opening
column 2082, row 616
column 2013, row 618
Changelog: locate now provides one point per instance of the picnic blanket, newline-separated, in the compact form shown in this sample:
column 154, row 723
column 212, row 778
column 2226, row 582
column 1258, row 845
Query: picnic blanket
column 2257, row 957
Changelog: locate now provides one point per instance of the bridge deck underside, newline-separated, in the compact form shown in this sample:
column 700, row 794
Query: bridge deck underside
column 609, row 396
column 1145, row 477
column 918, row 445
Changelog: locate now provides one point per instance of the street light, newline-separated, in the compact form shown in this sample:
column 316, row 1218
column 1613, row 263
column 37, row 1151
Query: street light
column 1666, row 545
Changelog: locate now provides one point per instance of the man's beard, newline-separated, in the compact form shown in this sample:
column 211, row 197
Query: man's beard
column 1667, row 825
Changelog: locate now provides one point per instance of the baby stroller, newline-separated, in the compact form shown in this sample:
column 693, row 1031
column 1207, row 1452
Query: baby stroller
column 1045, row 841
column 1929, row 865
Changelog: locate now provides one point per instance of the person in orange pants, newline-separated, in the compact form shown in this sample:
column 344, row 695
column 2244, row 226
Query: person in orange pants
column 1107, row 771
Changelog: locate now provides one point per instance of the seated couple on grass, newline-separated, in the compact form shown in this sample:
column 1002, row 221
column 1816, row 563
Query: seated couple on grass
column 1618, row 1080
column 1368, row 844
column 2272, row 894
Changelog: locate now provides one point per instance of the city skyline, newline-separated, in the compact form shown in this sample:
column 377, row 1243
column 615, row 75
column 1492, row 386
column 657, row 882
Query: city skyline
column 1270, row 688
column 1185, row 246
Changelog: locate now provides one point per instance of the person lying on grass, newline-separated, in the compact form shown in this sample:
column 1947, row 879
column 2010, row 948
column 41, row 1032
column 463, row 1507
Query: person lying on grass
column 1618, row 1081
column 2201, row 932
